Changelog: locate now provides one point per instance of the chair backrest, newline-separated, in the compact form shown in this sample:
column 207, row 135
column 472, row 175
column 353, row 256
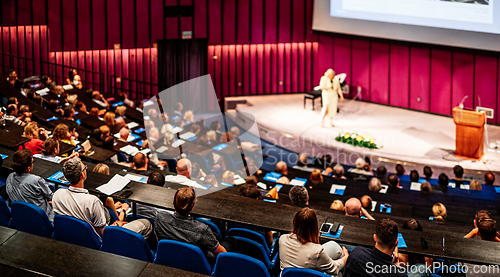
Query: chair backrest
column 4, row 213
column 113, row 215
column 182, row 255
column 73, row 230
column 249, row 234
column 31, row 219
column 212, row 226
column 302, row 272
column 121, row 241
column 253, row 249
column 233, row 264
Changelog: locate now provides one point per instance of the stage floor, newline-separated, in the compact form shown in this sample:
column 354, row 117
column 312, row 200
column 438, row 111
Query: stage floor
column 405, row 135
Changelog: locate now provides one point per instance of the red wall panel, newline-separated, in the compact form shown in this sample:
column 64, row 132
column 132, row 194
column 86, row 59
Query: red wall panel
column 84, row 26
column 342, row 57
column 285, row 20
column 379, row 66
column 229, row 22
column 485, row 83
column 243, row 30
column 55, row 25
column 98, row 23
column 69, row 25
column 360, row 67
column 157, row 26
column 441, row 81
column 260, row 68
column 271, row 21
column 128, row 23
column 40, row 7
column 257, row 29
column 200, row 19
column 24, row 12
column 214, row 17
column 399, row 78
column 142, row 18
column 113, row 23
column 298, row 21
column 253, row 69
column 462, row 79
column 419, row 78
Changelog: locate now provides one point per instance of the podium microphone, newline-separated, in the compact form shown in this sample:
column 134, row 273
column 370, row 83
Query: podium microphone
column 461, row 105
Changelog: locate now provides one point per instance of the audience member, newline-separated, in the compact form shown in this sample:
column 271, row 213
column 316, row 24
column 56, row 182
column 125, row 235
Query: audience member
column 353, row 208
column 360, row 168
column 61, row 133
column 120, row 123
column 105, row 132
column 81, row 107
column 211, row 181
column 459, row 172
column 49, row 151
column 98, row 97
column 337, row 205
column 302, row 163
column 228, row 177
column 475, row 185
column 96, row 137
column 197, row 172
column 283, row 180
column 12, row 77
column 443, row 182
column 393, row 180
column 77, row 202
column 383, row 255
column 101, row 168
column 315, row 178
column 182, row 227
column 120, row 111
column 414, row 177
column 282, row 169
column 439, row 212
column 124, row 133
column 486, row 227
column 178, row 109
column 250, row 191
column 23, row 186
column 24, row 113
column 366, row 202
column 400, row 170
column 11, row 115
column 426, row 188
column 382, row 174
column 375, row 185
column 184, row 169
column 12, row 100
column 109, row 119
column 94, row 112
column 301, row 248
column 427, row 172
column 412, row 224
column 338, row 171
column 140, row 164
column 144, row 211
column 35, row 144
column 299, row 196
column 489, row 178
column 251, row 180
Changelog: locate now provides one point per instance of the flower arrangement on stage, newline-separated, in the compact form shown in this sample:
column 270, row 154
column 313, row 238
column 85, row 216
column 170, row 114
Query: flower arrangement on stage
column 361, row 140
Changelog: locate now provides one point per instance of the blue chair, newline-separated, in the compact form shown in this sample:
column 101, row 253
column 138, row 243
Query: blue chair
column 249, row 234
column 233, row 264
column 121, row 241
column 255, row 250
column 302, row 272
column 182, row 255
column 212, row 226
column 4, row 213
column 31, row 219
column 114, row 217
column 75, row 231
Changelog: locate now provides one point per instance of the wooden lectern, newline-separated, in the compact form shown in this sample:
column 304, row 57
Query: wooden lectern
column 469, row 141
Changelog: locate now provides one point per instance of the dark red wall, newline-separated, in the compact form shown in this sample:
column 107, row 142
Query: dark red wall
column 261, row 46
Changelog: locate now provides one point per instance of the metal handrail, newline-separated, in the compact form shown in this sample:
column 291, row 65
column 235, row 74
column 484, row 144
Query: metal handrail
column 25, row 67
column 91, row 79
column 136, row 89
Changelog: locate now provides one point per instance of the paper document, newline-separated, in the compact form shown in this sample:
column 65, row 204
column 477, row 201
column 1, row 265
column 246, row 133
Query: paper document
column 137, row 178
column 262, row 185
column 465, row 186
column 415, row 186
column 177, row 143
column 129, row 150
column 177, row 130
column 238, row 180
column 43, row 92
column 187, row 135
column 384, row 189
column 132, row 125
column 68, row 87
column 298, row 182
column 116, row 183
column 162, row 149
column 337, row 189
column 100, row 103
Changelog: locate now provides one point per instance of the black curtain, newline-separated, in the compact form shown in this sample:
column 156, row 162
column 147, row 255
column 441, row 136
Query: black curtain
column 181, row 60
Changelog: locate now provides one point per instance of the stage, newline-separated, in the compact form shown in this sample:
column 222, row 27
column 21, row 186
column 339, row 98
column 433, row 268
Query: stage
column 410, row 137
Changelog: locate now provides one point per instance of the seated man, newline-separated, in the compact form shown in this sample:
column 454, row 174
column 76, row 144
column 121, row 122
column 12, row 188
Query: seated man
column 338, row 171
column 459, row 173
column 400, row 170
column 302, row 163
column 353, row 208
column 299, row 196
column 375, row 185
column 124, row 133
column 485, row 227
column 180, row 226
column 11, row 115
column 362, row 261
column 427, row 172
column 282, row 169
column 414, row 177
column 184, row 169
column 360, row 168
column 489, row 178
column 140, row 164
column 393, row 180
column 382, row 174
column 77, row 202
column 143, row 211
column 21, row 185
column 366, row 202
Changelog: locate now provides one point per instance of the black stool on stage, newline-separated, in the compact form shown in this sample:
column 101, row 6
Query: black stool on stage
column 312, row 95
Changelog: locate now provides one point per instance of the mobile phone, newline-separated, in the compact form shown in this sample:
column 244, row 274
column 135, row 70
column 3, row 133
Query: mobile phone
column 335, row 228
column 278, row 187
column 325, row 228
column 270, row 200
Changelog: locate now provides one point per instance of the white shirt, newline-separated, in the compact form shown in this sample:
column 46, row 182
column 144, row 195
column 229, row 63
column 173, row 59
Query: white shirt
column 183, row 180
column 78, row 203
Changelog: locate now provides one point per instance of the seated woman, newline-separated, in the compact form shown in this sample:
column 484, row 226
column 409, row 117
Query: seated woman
column 96, row 137
column 108, row 201
column 439, row 213
column 61, row 133
column 301, row 248
column 315, row 178
column 32, row 132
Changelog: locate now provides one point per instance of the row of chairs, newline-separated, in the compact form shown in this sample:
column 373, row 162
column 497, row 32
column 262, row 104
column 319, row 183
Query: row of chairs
column 252, row 257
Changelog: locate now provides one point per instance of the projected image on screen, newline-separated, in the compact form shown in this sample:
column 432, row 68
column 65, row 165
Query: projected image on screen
column 469, row 15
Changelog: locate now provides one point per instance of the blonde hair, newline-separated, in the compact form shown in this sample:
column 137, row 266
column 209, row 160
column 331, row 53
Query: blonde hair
column 104, row 130
column 109, row 118
column 330, row 71
column 189, row 116
column 61, row 132
column 211, row 135
column 228, row 177
column 475, row 185
column 120, row 110
column 439, row 211
column 101, row 168
column 337, row 205
column 31, row 130
column 283, row 180
column 316, row 177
